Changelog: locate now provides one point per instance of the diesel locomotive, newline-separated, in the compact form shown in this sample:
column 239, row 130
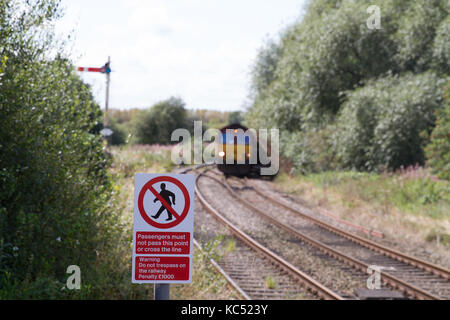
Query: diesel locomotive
column 240, row 152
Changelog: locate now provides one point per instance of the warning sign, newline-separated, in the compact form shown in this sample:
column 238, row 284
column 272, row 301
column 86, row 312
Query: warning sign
column 162, row 269
column 163, row 228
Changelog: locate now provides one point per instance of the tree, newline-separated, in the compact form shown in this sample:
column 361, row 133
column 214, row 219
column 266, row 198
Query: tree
column 54, row 186
column 438, row 150
column 301, row 83
column 381, row 125
column 235, row 117
column 157, row 124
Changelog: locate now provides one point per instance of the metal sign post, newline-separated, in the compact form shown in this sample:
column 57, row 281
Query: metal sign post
column 162, row 291
column 163, row 230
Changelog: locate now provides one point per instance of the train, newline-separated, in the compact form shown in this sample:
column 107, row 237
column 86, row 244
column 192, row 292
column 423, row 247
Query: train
column 239, row 157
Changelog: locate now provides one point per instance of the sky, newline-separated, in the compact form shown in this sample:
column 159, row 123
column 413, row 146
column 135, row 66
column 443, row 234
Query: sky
column 198, row 50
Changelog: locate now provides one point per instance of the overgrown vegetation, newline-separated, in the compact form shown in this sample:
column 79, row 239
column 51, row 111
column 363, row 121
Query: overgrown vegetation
column 155, row 124
column 56, row 206
column 409, row 190
column 410, row 203
column 438, row 150
column 348, row 97
column 363, row 113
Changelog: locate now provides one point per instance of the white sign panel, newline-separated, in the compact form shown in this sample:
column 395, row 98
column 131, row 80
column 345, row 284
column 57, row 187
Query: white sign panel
column 163, row 228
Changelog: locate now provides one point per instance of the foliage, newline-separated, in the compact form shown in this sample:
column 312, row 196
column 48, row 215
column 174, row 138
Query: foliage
column 55, row 191
column 141, row 158
column 120, row 133
column 270, row 282
column 157, row 124
column 410, row 190
column 438, row 150
column 380, row 125
column 321, row 65
column 309, row 151
column 235, row 117
column 125, row 122
column 263, row 72
column 210, row 118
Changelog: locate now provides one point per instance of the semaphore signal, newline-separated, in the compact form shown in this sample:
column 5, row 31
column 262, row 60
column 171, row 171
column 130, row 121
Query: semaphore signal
column 106, row 69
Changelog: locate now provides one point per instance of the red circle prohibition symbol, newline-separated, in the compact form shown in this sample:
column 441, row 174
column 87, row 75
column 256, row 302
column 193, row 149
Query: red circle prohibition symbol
column 149, row 187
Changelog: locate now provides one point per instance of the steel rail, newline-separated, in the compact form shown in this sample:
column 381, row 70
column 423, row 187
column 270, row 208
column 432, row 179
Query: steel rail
column 355, row 263
column 369, row 231
column 233, row 283
column 303, row 278
column 224, row 274
column 397, row 255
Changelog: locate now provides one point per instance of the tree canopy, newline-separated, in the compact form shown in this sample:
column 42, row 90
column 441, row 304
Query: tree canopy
column 157, row 124
column 330, row 62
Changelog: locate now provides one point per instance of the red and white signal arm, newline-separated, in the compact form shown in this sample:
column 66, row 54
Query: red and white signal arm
column 163, row 229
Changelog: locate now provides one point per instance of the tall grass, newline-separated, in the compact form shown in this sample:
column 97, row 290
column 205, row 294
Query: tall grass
column 207, row 283
column 412, row 190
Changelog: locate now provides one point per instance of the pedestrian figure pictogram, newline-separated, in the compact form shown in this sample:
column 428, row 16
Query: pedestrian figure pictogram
column 166, row 195
column 169, row 189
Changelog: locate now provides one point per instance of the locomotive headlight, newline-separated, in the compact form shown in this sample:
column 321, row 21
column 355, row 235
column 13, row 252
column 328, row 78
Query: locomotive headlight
column 221, row 154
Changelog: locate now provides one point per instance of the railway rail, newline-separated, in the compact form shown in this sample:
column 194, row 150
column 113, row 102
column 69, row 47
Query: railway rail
column 416, row 278
column 250, row 252
column 246, row 269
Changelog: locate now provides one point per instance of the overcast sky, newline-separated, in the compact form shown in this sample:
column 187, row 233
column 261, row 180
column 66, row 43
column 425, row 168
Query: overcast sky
column 199, row 50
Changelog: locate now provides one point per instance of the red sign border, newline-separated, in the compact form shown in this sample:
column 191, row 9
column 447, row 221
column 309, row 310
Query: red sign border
column 145, row 188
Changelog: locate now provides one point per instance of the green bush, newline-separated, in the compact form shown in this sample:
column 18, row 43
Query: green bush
column 235, row 117
column 120, row 133
column 380, row 125
column 331, row 60
column 438, row 150
column 55, row 192
column 157, row 124
column 309, row 151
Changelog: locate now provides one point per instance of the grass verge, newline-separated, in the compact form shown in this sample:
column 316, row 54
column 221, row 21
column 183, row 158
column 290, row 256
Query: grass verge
column 410, row 206
column 207, row 282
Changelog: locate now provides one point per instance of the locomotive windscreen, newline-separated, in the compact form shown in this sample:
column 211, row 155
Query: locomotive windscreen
column 228, row 138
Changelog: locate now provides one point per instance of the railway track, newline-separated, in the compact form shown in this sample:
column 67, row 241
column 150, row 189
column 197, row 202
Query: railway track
column 416, row 278
column 249, row 266
column 247, row 270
